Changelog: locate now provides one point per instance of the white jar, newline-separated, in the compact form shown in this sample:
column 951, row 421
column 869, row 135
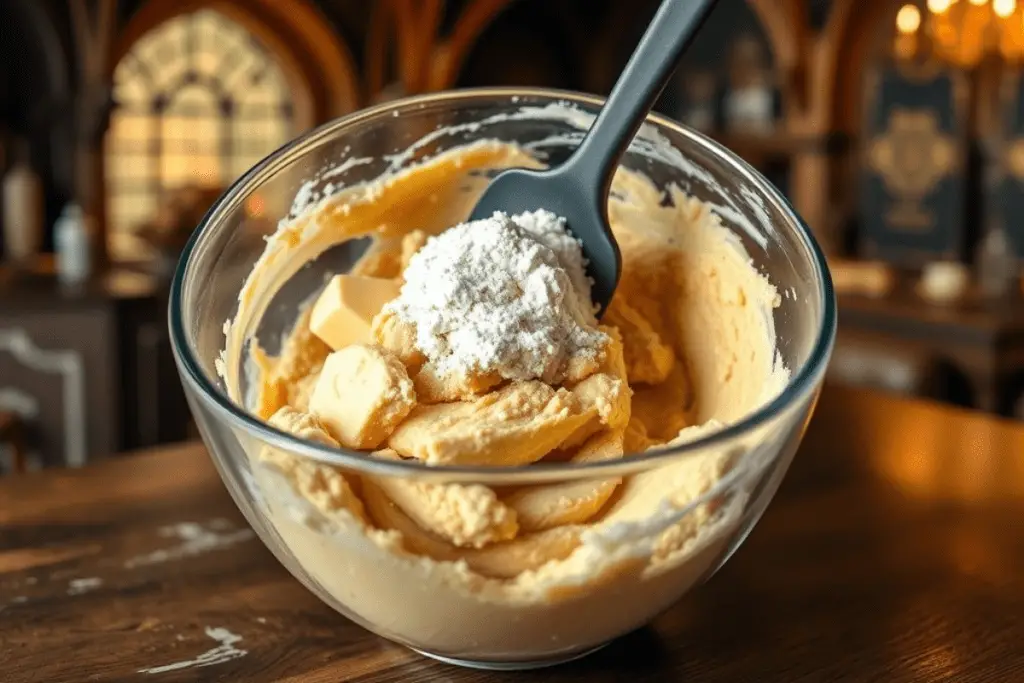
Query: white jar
column 750, row 109
column 73, row 245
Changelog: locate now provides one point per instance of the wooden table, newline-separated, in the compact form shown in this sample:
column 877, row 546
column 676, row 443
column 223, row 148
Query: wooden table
column 892, row 553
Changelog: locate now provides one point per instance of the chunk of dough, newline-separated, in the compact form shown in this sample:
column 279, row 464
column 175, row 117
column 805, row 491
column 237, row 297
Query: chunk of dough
column 605, row 394
column 431, row 387
column 302, row 354
column 550, row 505
column 399, row 337
column 324, row 486
column 649, row 360
column 580, row 367
column 515, row 425
column 466, row 515
column 500, row 560
column 636, row 439
column 383, row 260
column 302, row 389
column 411, row 243
column 666, row 408
column 302, row 424
column 362, row 394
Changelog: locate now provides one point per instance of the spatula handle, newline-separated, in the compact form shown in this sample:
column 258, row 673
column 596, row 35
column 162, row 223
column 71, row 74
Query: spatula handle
column 639, row 86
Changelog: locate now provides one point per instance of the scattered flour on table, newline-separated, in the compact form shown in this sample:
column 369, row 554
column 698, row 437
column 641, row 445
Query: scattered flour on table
column 224, row 652
column 16, row 600
column 79, row 586
column 194, row 539
column 507, row 293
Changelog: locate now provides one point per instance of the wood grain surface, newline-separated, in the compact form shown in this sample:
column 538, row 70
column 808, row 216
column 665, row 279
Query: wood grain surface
column 892, row 553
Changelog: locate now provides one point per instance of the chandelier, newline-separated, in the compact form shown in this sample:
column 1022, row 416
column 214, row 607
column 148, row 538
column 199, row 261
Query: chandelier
column 961, row 32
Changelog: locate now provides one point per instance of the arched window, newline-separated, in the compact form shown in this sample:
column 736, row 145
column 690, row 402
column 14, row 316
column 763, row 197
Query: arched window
column 199, row 101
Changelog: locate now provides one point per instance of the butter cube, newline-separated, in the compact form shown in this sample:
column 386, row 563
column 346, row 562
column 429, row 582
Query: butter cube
column 345, row 310
column 361, row 396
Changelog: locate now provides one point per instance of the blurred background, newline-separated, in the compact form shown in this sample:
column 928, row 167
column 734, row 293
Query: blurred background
column 896, row 129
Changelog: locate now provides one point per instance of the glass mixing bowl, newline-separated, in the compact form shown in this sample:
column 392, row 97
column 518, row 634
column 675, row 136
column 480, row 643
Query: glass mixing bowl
column 610, row 585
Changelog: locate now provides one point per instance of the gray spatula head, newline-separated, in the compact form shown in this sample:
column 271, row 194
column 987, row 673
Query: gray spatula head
column 562, row 192
column 578, row 189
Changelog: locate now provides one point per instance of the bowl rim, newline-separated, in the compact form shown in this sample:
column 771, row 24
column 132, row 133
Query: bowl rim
column 803, row 382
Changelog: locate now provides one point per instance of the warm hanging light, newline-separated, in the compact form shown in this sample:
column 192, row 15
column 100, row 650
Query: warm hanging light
column 964, row 32
column 1011, row 42
column 908, row 19
column 1004, row 8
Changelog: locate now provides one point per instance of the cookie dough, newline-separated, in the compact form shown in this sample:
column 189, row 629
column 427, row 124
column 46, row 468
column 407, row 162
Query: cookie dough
column 512, row 572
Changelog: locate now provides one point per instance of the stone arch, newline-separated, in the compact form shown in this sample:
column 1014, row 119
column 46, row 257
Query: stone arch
column 551, row 43
column 316, row 61
column 43, row 32
column 785, row 26
column 782, row 26
column 843, row 49
column 405, row 34
column 453, row 52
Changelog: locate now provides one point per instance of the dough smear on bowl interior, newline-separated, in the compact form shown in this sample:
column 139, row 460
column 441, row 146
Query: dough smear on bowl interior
column 476, row 344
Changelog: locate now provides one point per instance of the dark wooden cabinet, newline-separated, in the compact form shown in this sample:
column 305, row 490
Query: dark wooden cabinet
column 88, row 370
column 970, row 353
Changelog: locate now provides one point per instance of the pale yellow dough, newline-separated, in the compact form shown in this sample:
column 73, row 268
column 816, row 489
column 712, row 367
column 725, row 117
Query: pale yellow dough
column 465, row 515
column 516, row 425
column 324, row 487
column 543, row 569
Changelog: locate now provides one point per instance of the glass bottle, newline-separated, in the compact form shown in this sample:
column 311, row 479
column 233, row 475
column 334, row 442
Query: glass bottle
column 22, row 208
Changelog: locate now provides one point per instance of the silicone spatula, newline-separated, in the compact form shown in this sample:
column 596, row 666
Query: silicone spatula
column 578, row 189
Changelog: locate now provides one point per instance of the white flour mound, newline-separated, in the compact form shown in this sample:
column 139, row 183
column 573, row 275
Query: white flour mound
column 507, row 293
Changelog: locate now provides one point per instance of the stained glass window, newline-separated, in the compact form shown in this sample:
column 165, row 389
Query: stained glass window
column 199, row 101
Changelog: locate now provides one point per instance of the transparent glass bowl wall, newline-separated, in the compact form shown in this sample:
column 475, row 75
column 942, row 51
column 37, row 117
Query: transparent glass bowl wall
column 396, row 605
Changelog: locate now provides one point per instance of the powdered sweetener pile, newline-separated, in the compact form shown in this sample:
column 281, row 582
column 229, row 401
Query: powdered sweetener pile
column 506, row 293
